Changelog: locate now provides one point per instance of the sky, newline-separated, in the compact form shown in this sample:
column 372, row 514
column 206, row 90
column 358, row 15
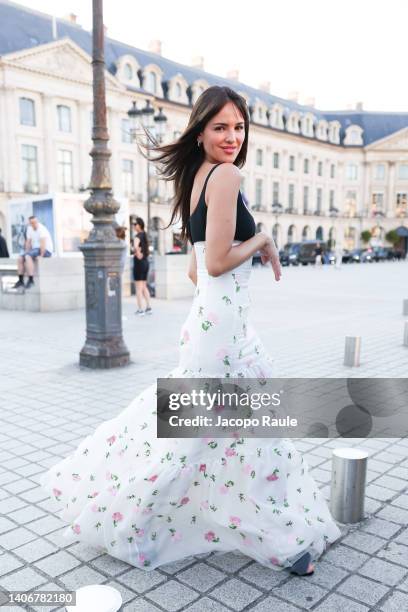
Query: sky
column 339, row 52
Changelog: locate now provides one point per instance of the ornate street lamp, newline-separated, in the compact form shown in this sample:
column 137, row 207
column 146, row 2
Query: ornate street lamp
column 104, row 346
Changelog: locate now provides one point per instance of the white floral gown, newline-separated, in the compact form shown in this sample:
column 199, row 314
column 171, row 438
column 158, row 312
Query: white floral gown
column 150, row 501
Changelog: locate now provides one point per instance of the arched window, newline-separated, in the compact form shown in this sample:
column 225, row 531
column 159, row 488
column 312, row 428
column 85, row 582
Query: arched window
column 128, row 72
column 178, row 90
column 152, row 82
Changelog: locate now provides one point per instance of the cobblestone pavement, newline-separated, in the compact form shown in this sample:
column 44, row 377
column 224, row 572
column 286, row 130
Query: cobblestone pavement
column 48, row 405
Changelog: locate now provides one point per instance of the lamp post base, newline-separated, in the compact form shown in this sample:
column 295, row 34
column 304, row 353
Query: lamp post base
column 102, row 355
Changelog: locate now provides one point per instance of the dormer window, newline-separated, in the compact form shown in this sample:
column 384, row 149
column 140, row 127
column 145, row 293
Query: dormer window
column 178, row 90
column 354, row 135
column 128, row 72
column 151, row 84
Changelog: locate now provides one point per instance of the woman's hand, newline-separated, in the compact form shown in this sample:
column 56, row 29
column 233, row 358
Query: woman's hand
column 269, row 252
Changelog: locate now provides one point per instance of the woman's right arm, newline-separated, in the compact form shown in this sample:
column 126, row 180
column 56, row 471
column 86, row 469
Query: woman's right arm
column 222, row 194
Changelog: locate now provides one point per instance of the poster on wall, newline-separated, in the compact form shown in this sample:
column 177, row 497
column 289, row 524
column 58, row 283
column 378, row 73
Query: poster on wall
column 74, row 223
column 19, row 213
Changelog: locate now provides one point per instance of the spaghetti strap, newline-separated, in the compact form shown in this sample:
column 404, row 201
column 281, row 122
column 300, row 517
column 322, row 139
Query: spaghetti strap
column 209, row 174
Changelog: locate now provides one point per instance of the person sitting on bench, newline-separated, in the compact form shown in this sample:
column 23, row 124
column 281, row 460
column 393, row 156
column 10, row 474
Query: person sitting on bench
column 38, row 244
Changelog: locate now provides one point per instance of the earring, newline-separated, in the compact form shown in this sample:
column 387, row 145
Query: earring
column 198, row 143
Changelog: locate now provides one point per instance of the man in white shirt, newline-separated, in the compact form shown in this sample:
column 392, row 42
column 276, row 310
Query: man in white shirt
column 38, row 244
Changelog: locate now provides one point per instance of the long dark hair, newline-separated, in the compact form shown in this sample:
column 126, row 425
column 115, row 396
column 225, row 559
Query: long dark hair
column 180, row 160
column 144, row 242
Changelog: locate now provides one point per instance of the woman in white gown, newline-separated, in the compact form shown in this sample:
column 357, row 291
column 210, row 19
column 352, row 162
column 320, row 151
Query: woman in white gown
column 150, row 501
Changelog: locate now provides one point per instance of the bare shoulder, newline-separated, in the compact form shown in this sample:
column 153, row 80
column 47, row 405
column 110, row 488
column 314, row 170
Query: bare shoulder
column 226, row 175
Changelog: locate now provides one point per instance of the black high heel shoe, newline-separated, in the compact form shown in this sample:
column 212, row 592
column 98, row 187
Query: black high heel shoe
column 300, row 567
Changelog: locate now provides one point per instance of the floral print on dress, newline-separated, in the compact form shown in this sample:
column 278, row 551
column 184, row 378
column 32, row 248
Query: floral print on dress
column 151, row 501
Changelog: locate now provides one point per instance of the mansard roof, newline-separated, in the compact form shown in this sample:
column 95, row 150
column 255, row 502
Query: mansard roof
column 23, row 28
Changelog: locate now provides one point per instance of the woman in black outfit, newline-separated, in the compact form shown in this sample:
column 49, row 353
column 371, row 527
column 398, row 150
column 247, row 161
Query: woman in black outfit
column 141, row 267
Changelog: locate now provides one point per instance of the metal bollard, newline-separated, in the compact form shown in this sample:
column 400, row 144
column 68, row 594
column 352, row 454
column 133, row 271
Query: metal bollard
column 349, row 470
column 406, row 333
column 405, row 308
column 352, row 351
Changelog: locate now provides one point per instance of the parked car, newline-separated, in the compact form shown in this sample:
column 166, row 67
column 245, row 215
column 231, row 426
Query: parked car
column 329, row 257
column 307, row 251
column 367, row 255
column 393, row 254
column 289, row 255
column 355, row 256
column 379, row 254
column 347, row 256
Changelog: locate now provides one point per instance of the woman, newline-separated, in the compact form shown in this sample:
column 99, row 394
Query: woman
column 150, row 501
column 141, row 267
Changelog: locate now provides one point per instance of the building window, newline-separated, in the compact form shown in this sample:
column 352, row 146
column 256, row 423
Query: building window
column 258, row 192
column 402, row 200
column 379, row 172
column 178, row 90
column 319, row 198
column 291, row 196
column 260, row 114
column 152, row 82
column 65, row 174
column 275, row 192
column 259, row 157
column 351, row 203
column 64, row 118
column 128, row 72
column 332, row 170
column 403, row 171
column 276, row 160
column 320, row 168
column 125, row 129
column 27, row 111
column 331, row 199
column 306, row 166
column 305, row 198
column 351, row 172
column 377, row 201
column 127, row 177
column 30, row 168
column 291, row 163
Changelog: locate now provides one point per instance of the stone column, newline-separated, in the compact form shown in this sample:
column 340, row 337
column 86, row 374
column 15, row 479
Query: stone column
column 390, row 203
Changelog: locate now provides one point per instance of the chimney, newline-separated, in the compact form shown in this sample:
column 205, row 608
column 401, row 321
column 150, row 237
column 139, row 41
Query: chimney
column 233, row 74
column 293, row 96
column 71, row 17
column 265, row 86
column 198, row 62
column 155, row 46
column 359, row 106
column 311, row 101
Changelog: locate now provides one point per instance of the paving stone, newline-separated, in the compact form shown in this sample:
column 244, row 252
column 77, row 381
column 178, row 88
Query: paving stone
column 16, row 537
column 8, row 563
column 401, row 501
column 380, row 527
column 201, row 577
column 236, row 594
column 141, row 605
column 380, row 493
column 19, row 486
column 10, row 504
column 45, row 525
column 272, row 604
column 81, row 576
column 6, row 525
column 397, row 602
column 345, row 557
column 229, row 562
column 127, row 594
column 57, row 563
column 392, row 513
column 263, row 577
column 35, row 550
column 327, row 575
column 172, row 596
column 175, row 566
column 382, row 571
column 22, row 580
column 404, row 585
column 364, row 541
column 363, row 589
column 27, row 514
column 59, row 539
column 85, row 552
column 338, row 603
column 204, row 604
column 300, row 592
column 398, row 553
column 49, row 586
column 141, row 581
column 402, row 538
column 394, row 484
column 109, row 565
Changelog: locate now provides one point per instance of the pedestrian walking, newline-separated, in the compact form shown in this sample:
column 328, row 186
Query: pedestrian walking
column 141, row 268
